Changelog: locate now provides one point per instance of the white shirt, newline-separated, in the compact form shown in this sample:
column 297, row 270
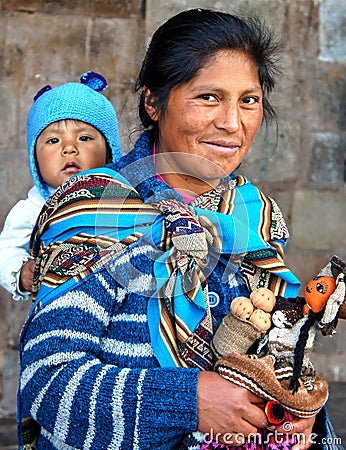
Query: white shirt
column 15, row 239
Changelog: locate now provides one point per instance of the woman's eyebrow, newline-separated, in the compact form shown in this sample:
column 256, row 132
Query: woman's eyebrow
column 213, row 87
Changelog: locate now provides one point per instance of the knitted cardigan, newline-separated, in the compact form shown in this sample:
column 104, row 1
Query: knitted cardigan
column 89, row 377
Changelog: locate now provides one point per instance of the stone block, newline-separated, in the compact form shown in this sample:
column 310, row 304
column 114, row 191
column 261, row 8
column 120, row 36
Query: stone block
column 327, row 160
column 22, row 5
column 2, row 37
column 45, row 44
column 10, row 376
column 284, row 200
column 326, row 90
column 4, row 322
column 318, row 220
column 301, row 30
column 55, row 48
column 18, row 312
column 273, row 158
column 15, row 179
column 294, row 81
column 328, row 355
column 333, row 32
column 11, row 322
column 273, row 13
column 107, row 44
column 125, row 102
column 86, row 7
column 8, row 115
column 26, row 99
column 114, row 48
column 8, row 433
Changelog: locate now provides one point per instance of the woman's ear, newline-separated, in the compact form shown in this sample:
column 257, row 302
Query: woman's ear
column 150, row 105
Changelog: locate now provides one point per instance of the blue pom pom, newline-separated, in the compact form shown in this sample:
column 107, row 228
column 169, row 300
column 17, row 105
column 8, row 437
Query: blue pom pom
column 45, row 88
column 94, row 80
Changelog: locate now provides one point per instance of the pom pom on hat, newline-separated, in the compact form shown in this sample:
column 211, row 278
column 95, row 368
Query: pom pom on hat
column 94, row 80
column 77, row 101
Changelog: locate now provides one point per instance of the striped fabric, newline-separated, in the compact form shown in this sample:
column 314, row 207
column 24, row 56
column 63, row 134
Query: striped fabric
column 96, row 218
column 121, row 323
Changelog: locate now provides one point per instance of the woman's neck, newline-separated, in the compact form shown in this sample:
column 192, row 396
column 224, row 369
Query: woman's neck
column 185, row 184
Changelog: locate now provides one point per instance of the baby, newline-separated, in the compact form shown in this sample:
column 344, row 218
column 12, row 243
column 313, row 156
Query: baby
column 70, row 129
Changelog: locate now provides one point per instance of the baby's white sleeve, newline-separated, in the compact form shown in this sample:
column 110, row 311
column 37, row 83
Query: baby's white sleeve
column 14, row 245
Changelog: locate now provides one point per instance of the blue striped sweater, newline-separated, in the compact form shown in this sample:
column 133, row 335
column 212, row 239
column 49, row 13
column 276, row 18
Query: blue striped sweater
column 89, row 376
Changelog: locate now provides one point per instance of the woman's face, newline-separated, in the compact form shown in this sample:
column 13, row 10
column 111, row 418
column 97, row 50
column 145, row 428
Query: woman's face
column 210, row 123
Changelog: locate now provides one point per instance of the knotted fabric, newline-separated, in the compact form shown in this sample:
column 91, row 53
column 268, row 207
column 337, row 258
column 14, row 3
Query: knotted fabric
column 96, row 217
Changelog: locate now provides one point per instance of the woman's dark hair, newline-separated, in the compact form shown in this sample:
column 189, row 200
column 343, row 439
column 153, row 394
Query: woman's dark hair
column 181, row 46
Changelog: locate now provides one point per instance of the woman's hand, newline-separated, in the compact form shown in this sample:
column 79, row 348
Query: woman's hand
column 227, row 413
column 27, row 275
column 302, row 427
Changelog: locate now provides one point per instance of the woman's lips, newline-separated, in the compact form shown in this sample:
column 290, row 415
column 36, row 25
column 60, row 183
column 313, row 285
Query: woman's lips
column 223, row 146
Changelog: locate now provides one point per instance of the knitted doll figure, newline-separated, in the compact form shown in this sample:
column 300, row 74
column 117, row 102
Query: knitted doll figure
column 275, row 364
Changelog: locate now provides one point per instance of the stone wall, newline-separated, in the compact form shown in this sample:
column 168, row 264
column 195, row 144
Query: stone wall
column 50, row 41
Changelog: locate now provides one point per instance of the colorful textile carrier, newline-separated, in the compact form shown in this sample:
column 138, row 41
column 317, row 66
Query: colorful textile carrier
column 97, row 216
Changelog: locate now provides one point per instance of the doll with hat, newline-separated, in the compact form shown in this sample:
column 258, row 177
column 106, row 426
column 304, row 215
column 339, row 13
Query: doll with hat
column 269, row 354
column 70, row 128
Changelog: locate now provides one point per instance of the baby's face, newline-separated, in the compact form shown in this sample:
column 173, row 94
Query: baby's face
column 68, row 147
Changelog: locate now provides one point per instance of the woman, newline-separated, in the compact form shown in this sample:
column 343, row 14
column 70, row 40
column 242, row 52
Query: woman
column 138, row 263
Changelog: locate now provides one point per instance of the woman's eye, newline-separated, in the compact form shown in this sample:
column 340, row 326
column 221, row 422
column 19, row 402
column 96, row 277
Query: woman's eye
column 250, row 100
column 208, row 97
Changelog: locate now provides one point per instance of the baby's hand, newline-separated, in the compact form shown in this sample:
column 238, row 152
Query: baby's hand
column 27, row 275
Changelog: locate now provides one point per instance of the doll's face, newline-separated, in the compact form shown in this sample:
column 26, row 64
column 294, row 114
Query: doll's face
column 318, row 291
column 242, row 307
column 261, row 319
column 280, row 320
column 263, row 298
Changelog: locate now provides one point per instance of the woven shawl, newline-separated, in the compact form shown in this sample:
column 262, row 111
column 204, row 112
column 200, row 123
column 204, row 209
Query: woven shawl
column 98, row 217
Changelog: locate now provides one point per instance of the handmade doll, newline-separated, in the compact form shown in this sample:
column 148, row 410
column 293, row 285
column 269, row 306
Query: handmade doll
column 248, row 321
column 263, row 344
column 274, row 364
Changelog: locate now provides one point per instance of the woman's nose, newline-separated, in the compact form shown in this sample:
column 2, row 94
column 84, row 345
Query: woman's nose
column 228, row 117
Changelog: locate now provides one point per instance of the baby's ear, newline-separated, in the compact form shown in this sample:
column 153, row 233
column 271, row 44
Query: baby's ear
column 44, row 89
column 150, row 105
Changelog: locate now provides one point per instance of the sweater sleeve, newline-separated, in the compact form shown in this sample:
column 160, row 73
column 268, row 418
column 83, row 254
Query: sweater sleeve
column 14, row 244
column 91, row 386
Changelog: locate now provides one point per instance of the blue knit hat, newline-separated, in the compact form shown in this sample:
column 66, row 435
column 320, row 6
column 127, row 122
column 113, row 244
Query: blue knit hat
column 79, row 101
